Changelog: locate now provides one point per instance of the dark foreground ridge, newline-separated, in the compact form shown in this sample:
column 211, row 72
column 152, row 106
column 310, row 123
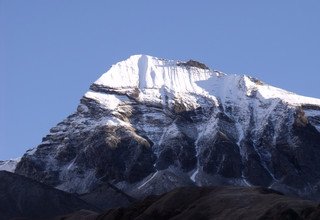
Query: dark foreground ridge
column 24, row 197
column 201, row 203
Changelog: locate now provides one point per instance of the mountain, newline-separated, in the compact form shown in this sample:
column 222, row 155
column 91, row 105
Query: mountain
column 205, row 203
column 149, row 125
column 24, row 197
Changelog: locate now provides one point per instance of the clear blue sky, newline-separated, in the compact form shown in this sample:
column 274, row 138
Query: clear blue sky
column 51, row 51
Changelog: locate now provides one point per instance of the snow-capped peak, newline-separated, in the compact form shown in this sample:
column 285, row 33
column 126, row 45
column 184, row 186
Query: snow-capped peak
column 154, row 76
column 147, row 72
column 148, row 114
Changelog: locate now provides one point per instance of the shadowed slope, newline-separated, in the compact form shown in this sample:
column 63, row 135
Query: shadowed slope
column 190, row 203
column 23, row 197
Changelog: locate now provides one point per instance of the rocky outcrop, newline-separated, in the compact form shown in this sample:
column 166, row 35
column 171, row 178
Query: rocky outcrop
column 193, row 63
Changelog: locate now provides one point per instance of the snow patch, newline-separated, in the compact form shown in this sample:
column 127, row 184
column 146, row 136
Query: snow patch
column 31, row 151
column 109, row 101
column 9, row 165
column 153, row 175
column 194, row 175
column 270, row 92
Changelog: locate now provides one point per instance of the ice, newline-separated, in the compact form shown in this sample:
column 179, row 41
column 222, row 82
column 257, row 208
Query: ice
column 153, row 175
column 194, row 175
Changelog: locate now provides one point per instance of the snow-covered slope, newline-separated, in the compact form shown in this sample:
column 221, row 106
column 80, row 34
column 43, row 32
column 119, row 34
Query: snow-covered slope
column 9, row 165
column 147, row 115
column 153, row 75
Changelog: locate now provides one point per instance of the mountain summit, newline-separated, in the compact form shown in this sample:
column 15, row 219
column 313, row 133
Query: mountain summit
column 149, row 125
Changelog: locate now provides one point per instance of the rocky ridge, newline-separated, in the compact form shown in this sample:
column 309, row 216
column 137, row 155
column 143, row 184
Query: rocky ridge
column 24, row 198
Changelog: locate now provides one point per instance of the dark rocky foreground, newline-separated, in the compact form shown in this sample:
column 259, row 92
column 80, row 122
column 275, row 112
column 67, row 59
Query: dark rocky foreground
column 23, row 197
column 211, row 203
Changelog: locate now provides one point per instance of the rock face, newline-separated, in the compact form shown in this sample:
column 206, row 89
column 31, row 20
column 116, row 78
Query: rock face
column 215, row 203
column 150, row 125
column 24, row 197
